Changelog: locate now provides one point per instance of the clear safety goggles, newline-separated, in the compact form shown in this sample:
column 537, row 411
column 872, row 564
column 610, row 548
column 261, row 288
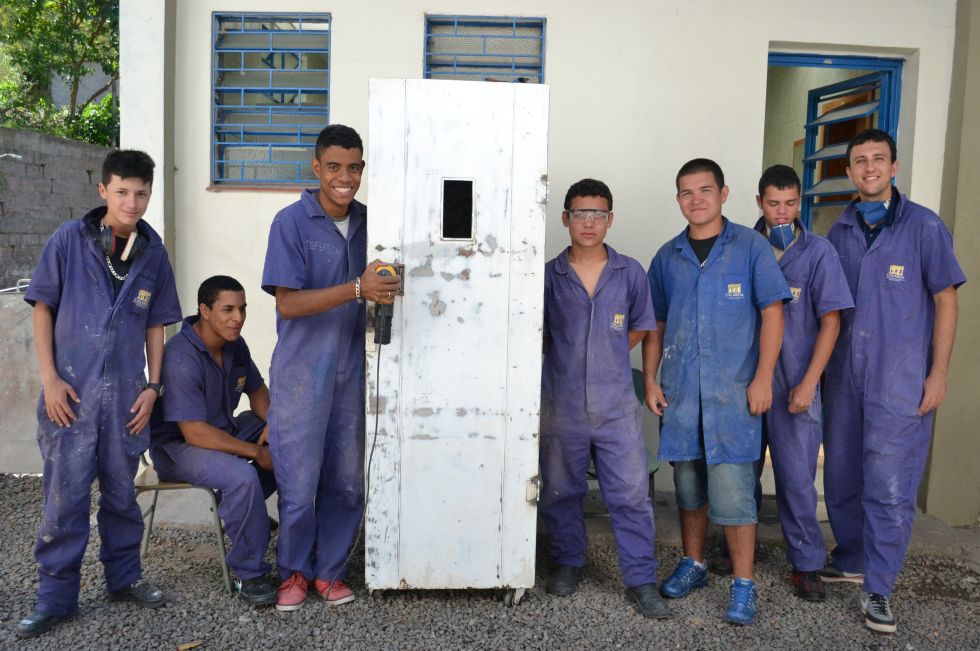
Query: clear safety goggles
column 582, row 216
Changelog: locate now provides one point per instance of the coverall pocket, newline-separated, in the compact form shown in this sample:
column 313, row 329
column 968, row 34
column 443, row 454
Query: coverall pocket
column 616, row 315
column 905, row 384
column 736, row 292
column 895, row 272
column 801, row 293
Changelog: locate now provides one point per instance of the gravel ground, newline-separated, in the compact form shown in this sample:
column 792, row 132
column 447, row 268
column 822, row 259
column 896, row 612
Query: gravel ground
column 937, row 602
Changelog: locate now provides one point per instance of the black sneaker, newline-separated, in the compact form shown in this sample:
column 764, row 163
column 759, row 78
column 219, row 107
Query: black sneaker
column 273, row 524
column 722, row 563
column 140, row 593
column 831, row 574
column 565, row 580
column 36, row 623
column 257, row 591
column 648, row 601
column 877, row 613
column 809, row 586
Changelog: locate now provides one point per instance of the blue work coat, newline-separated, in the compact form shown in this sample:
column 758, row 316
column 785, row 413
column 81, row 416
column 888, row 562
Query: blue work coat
column 886, row 341
column 99, row 339
column 711, row 342
column 197, row 389
column 307, row 251
column 812, row 270
column 587, row 375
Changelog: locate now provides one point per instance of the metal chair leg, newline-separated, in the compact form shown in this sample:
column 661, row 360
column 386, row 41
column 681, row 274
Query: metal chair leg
column 221, row 541
column 148, row 526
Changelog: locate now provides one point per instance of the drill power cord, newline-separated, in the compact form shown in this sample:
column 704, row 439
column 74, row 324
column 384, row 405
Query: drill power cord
column 367, row 478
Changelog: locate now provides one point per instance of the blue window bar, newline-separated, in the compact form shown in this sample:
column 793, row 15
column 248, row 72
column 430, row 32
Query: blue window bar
column 479, row 48
column 270, row 86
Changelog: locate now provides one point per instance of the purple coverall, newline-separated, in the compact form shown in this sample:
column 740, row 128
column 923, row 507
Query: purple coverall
column 875, row 442
column 316, row 421
column 197, row 389
column 588, row 406
column 817, row 282
column 100, row 350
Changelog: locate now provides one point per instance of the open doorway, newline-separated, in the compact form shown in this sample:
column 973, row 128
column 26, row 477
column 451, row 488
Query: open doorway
column 814, row 106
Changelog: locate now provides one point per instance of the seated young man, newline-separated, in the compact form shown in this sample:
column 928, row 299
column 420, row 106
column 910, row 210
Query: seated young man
column 596, row 307
column 197, row 439
column 718, row 297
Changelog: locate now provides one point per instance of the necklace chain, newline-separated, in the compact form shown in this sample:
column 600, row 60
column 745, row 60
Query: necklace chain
column 107, row 260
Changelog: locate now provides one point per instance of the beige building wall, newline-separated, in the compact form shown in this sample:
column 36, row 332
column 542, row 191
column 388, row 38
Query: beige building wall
column 951, row 490
column 637, row 90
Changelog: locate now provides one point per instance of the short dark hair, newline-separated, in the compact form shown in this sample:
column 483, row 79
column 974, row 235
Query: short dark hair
column 697, row 166
column 211, row 288
column 872, row 135
column 340, row 136
column 588, row 188
column 128, row 164
column 781, row 177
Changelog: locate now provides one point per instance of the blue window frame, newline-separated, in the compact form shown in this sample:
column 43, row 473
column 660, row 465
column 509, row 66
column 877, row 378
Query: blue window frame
column 883, row 86
column 270, row 89
column 484, row 48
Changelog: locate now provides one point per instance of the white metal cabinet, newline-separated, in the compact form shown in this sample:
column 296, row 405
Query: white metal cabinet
column 451, row 501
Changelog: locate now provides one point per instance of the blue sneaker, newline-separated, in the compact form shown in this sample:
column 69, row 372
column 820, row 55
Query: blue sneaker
column 741, row 602
column 685, row 578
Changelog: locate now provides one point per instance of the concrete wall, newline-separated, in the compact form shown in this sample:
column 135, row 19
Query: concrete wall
column 54, row 181
column 951, row 490
column 20, row 385
column 658, row 84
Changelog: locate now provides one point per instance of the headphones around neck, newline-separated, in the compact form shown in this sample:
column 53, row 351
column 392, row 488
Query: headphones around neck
column 107, row 242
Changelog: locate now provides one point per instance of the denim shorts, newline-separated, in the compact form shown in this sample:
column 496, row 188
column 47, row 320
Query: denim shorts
column 727, row 488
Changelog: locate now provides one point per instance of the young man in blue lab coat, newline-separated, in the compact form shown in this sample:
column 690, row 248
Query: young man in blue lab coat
column 196, row 437
column 791, row 427
column 718, row 296
column 316, row 267
column 102, row 293
column 596, row 308
column 887, row 373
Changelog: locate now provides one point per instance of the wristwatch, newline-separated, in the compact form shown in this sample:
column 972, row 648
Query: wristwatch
column 156, row 388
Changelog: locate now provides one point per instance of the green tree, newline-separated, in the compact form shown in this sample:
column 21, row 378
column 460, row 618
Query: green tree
column 42, row 38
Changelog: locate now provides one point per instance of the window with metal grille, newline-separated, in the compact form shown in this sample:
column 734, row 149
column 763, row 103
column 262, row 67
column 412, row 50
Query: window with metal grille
column 481, row 48
column 271, row 85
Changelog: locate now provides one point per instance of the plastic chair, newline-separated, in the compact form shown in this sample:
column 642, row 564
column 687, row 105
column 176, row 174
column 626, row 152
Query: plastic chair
column 143, row 485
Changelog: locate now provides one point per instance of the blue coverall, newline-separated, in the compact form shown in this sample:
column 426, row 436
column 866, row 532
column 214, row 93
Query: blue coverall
column 875, row 441
column 589, row 407
column 316, row 421
column 99, row 349
column 197, row 389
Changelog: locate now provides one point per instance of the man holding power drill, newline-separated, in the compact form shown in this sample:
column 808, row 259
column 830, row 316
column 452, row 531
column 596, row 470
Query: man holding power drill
column 316, row 267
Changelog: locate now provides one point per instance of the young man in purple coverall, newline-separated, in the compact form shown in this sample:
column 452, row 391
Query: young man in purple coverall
column 887, row 373
column 791, row 427
column 316, row 267
column 596, row 308
column 197, row 438
column 102, row 293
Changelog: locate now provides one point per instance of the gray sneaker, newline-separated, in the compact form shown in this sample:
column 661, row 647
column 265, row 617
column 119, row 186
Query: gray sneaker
column 877, row 612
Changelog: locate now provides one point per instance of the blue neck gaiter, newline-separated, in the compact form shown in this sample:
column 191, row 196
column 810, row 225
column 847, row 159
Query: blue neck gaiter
column 781, row 236
column 872, row 211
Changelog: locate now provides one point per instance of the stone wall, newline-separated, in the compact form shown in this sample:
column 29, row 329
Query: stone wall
column 53, row 181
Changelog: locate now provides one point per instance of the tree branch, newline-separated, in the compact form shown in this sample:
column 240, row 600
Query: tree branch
column 97, row 93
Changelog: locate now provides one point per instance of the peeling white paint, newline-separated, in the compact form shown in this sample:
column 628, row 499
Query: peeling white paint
column 447, row 505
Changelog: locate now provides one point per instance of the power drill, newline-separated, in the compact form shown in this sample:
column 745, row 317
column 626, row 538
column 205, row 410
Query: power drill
column 383, row 313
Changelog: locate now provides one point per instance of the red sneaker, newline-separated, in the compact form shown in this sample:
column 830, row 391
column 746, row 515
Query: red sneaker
column 292, row 593
column 339, row 594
